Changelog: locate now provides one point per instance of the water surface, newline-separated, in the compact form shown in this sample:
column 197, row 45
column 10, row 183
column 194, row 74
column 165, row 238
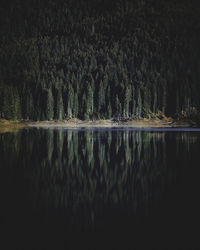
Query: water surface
column 101, row 187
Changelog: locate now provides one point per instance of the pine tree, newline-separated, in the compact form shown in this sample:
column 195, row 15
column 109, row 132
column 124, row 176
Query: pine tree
column 70, row 100
column 75, row 105
column 101, row 98
column 88, row 102
column 109, row 111
column 50, row 105
column 59, row 109
column 127, row 97
column 139, row 104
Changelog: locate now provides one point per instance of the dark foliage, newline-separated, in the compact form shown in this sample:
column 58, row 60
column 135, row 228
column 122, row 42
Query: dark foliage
column 98, row 59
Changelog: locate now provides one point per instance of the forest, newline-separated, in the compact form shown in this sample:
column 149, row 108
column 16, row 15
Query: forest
column 98, row 59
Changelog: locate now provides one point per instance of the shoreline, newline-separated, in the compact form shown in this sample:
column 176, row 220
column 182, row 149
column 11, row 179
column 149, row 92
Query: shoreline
column 137, row 123
column 12, row 126
column 97, row 124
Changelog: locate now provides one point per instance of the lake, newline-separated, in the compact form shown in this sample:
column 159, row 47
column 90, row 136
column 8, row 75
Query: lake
column 101, row 188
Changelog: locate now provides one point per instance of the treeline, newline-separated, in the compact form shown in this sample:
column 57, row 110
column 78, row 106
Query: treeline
column 94, row 59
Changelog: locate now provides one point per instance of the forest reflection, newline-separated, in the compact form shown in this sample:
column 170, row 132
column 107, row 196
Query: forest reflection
column 82, row 174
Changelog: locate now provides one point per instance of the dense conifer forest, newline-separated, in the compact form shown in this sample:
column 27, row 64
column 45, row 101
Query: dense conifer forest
column 98, row 59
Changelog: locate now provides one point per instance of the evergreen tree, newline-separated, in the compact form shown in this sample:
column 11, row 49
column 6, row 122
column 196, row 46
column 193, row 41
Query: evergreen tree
column 127, row 96
column 59, row 109
column 70, row 100
column 75, row 105
column 50, row 105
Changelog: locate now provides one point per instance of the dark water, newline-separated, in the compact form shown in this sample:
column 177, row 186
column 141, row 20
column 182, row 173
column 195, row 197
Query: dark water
column 100, row 189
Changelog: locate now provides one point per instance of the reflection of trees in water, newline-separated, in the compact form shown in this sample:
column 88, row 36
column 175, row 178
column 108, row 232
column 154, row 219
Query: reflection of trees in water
column 83, row 171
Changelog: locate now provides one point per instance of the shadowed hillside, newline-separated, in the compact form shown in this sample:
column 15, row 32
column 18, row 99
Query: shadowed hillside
column 98, row 59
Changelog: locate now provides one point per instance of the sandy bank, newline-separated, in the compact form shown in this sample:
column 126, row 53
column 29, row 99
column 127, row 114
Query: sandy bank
column 142, row 123
column 12, row 126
